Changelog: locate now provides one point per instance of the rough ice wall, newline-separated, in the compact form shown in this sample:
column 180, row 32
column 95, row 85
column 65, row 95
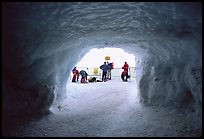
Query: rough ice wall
column 173, row 77
column 43, row 41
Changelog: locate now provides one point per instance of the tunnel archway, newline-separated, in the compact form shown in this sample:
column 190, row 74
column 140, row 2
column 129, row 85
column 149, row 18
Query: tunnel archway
column 95, row 58
column 129, row 57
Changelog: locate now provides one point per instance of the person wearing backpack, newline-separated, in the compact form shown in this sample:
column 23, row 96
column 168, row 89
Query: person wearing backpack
column 124, row 74
column 84, row 75
column 75, row 75
column 109, row 70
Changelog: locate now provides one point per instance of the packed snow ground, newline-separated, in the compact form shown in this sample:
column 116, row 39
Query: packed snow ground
column 107, row 109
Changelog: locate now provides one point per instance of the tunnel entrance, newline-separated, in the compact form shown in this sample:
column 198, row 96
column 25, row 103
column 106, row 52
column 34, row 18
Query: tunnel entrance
column 96, row 57
column 91, row 91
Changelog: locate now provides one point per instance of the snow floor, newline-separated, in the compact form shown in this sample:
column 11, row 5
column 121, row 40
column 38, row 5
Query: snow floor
column 109, row 109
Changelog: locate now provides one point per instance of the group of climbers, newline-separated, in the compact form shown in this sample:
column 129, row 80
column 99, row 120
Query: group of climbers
column 76, row 74
column 106, row 74
column 106, row 68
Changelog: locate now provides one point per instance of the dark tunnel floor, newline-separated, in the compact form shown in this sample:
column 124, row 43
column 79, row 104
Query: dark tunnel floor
column 110, row 113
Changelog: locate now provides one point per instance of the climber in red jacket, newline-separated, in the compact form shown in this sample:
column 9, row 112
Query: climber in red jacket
column 124, row 74
column 75, row 75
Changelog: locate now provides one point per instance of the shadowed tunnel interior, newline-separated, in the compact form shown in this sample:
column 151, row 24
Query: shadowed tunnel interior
column 42, row 42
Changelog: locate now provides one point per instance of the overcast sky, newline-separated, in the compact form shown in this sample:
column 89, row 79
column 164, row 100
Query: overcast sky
column 96, row 57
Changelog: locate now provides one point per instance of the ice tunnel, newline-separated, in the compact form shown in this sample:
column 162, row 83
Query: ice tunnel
column 41, row 42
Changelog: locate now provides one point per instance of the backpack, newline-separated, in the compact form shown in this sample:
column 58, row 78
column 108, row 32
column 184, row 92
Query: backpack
column 111, row 65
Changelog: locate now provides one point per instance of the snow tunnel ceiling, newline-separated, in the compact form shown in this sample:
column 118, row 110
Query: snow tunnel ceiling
column 37, row 30
column 41, row 39
column 58, row 26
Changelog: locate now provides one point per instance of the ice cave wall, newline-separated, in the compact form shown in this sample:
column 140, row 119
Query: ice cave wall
column 43, row 41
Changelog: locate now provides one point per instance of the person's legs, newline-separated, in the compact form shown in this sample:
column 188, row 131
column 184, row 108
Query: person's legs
column 105, row 76
column 122, row 76
column 126, row 77
column 82, row 80
column 110, row 75
column 74, row 78
column 77, row 77
column 102, row 75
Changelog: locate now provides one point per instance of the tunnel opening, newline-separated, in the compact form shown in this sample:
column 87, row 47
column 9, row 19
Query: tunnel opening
column 91, row 62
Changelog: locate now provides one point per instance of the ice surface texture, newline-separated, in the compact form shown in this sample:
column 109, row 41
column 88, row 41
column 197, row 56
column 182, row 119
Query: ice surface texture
column 43, row 41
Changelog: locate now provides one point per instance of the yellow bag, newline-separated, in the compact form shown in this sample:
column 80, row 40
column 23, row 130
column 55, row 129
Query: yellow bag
column 95, row 71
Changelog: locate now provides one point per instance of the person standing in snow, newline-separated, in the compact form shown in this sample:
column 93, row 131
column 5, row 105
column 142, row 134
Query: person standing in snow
column 105, row 68
column 75, row 75
column 109, row 71
column 124, row 74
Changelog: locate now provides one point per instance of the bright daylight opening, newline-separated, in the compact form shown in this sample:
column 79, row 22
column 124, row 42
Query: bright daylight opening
column 83, row 96
column 95, row 57
column 92, row 61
